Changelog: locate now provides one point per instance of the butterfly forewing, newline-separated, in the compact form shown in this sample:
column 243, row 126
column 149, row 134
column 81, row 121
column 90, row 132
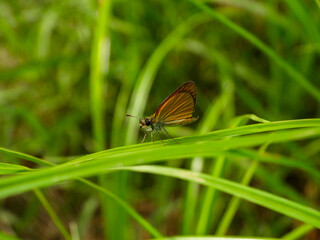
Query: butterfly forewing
column 177, row 109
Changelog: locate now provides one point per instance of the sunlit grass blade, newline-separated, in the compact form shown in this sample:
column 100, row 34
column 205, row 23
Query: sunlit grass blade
column 99, row 67
column 7, row 168
column 28, row 157
column 103, row 161
column 298, row 232
column 262, row 198
column 148, row 227
column 243, row 130
column 99, row 64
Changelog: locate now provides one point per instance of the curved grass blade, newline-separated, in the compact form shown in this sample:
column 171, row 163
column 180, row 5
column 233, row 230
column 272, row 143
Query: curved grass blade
column 28, row 157
column 45, row 203
column 243, row 130
column 147, row 226
column 300, row 79
column 234, row 203
column 262, row 198
column 298, row 232
column 8, row 168
column 102, row 162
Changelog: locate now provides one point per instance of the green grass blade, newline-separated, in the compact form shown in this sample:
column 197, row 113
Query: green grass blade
column 207, row 123
column 275, row 183
column 86, row 215
column 209, row 198
column 262, row 198
column 7, row 168
column 233, row 205
column 99, row 66
column 13, row 168
column 52, row 213
column 99, row 63
column 312, row 30
column 103, row 161
column 277, row 159
column 145, row 224
column 298, row 232
column 28, row 157
column 45, row 31
column 300, row 79
column 148, row 227
column 243, row 130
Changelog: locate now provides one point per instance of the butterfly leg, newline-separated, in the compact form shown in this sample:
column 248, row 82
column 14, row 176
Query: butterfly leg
column 160, row 137
column 169, row 135
column 144, row 137
column 151, row 134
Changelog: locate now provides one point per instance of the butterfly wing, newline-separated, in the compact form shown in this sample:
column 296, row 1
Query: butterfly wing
column 178, row 107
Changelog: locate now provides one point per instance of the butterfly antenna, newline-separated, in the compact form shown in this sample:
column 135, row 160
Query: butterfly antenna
column 131, row 116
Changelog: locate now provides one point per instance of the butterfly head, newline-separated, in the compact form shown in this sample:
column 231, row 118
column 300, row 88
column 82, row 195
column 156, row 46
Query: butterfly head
column 145, row 122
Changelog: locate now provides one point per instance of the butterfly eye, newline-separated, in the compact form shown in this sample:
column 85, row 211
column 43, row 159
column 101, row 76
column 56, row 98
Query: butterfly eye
column 147, row 122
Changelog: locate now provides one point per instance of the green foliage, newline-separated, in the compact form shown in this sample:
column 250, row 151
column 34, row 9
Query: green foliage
column 70, row 165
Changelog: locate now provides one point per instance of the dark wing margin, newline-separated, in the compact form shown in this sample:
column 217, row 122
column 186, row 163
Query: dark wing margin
column 178, row 105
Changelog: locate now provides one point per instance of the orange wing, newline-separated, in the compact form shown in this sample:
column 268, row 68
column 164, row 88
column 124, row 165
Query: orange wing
column 177, row 109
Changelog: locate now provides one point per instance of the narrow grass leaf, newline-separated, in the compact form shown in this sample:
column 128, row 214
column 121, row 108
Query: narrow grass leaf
column 270, row 201
column 28, row 157
column 298, row 232
column 148, row 227
column 52, row 213
column 8, row 168
column 103, row 161
column 300, row 79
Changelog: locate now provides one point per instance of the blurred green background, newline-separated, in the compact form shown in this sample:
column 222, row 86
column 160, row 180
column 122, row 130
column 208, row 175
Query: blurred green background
column 71, row 70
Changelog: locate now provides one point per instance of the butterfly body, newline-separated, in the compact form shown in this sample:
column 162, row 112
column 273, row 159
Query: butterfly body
column 175, row 110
